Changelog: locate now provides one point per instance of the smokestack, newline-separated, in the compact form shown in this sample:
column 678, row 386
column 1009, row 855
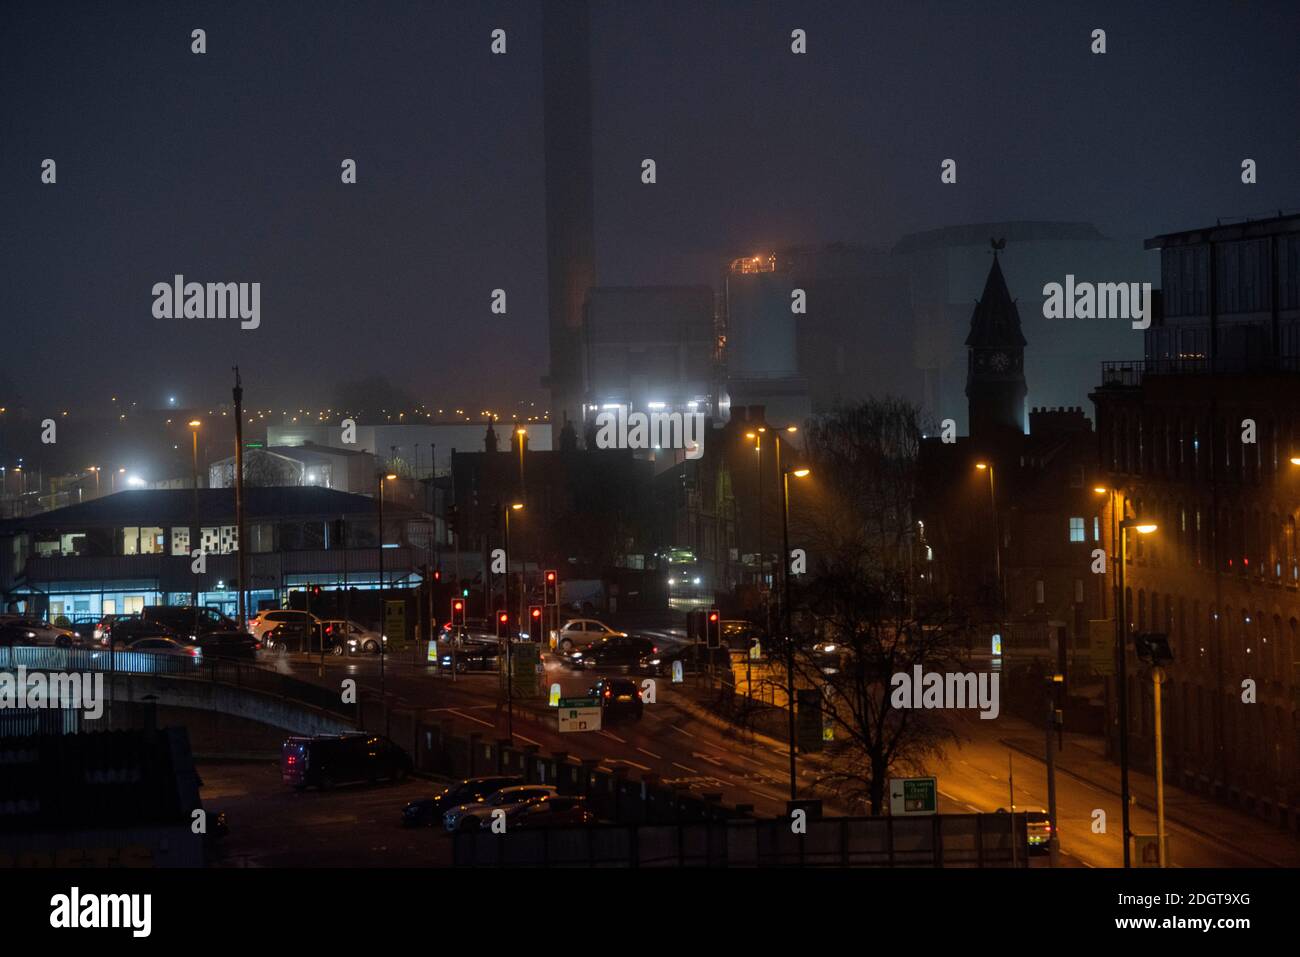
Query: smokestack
column 570, row 233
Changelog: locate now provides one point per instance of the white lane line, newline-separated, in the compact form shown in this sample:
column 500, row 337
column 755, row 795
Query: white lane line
column 614, row 736
column 639, row 767
column 751, row 760
column 657, row 757
column 680, row 731
column 529, row 740
column 685, row 768
column 705, row 757
column 470, row 717
column 960, row 801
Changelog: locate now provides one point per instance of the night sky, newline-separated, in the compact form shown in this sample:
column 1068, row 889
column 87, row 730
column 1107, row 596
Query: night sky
column 226, row 166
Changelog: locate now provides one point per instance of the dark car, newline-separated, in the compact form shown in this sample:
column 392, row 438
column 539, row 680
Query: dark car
column 128, row 629
column 553, row 811
column 621, row 651
column 427, row 812
column 187, row 622
column 472, row 656
column 300, row 635
column 15, row 632
column 230, row 645
column 329, row 759
column 619, row 697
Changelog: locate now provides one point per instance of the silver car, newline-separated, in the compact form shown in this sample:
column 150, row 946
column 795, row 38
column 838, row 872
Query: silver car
column 468, row 817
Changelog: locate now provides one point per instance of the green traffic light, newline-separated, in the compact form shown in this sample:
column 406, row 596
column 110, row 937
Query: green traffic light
column 464, row 593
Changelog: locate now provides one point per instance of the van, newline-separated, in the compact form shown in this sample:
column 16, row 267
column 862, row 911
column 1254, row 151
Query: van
column 329, row 759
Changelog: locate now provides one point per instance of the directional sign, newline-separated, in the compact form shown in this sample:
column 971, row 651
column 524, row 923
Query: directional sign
column 910, row 796
column 579, row 719
column 579, row 703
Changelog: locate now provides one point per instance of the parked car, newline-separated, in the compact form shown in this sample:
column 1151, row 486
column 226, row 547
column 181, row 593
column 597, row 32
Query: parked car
column 187, row 621
column 622, row 651
column 619, row 697
column 14, row 632
column 361, row 640
column 427, row 812
column 472, row 656
column 553, row 811
column 579, row 634
column 84, row 630
column 38, row 631
column 329, row 759
column 159, row 645
column 265, row 621
column 230, row 645
column 466, row 817
column 131, row 628
column 296, row 635
column 105, row 627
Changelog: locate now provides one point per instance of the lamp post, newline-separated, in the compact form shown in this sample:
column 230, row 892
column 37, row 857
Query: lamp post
column 194, row 476
column 1121, row 670
column 383, row 637
column 997, row 543
column 789, row 638
column 510, row 683
column 757, row 436
column 95, row 469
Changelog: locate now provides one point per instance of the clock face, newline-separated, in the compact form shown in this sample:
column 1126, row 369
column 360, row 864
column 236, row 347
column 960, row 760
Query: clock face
column 1000, row 361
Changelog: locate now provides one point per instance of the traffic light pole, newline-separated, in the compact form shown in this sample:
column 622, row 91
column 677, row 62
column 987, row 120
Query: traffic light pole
column 510, row 684
column 789, row 638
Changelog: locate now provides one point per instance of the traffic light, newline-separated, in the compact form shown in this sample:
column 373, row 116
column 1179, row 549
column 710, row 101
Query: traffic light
column 458, row 613
column 503, row 623
column 315, row 591
column 550, row 588
column 437, row 574
column 713, row 629
column 534, row 621
column 453, row 520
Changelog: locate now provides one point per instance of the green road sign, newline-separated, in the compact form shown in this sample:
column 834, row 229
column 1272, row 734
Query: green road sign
column 913, row 796
column 579, row 703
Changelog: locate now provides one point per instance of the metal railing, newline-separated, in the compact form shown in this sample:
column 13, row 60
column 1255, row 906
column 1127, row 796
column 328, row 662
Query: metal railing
column 239, row 674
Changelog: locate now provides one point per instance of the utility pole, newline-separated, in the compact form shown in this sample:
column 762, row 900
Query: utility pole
column 238, row 394
column 1053, row 844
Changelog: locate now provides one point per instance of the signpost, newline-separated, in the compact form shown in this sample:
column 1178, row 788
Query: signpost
column 395, row 620
column 579, row 714
column 913, row 796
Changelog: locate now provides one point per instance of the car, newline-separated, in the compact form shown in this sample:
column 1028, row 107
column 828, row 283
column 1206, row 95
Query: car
column 127, row 629
column 84, row 629
column 427, row 812
column 1038, row 828
column 229, row 645
column 329, row 759
column 159, row 645
column 14, row 632
column 187, row 621
column 473, row 628
column 105, row 627
column 624, row 651
column 472, row 656
column 361, row 640
column 38, row 631
column 828, row 656
column 554, row 811
column 265, row 621
column 578, row 634
column 466, row 817
column 618, row 697
column 296, row 635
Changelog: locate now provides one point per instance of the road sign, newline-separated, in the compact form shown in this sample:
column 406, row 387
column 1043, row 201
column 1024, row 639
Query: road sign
column 579, row 703
column 911, row 796
column 395, row 620
column 524, row 658
column 579, row 719
column 1146, row 850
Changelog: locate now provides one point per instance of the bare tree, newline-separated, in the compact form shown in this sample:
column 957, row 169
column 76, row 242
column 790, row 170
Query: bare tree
column 866, row 599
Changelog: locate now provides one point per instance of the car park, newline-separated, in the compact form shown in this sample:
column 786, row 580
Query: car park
column 466, row 817
column 428, row 812
column 619, row 697
column 329, row 759
column 554, row 811
column 579, row 634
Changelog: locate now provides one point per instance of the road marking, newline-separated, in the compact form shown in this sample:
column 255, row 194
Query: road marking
column 529, row 740
column 680, row 731
column 470, row 717
column 658, row 757
column 685, row 768
column 705, row 757
column 640, row 767
column 614, row 736
column 751, row 760
column 956, row 800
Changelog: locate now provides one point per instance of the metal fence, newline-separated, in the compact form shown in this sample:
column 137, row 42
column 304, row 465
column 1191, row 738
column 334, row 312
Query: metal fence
column 238, row 674
column 941, row 840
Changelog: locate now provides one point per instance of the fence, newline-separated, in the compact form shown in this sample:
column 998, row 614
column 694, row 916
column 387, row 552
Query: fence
column 952, row 840
column 236, row 673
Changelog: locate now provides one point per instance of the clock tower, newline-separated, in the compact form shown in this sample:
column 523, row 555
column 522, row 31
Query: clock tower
column 995, row 371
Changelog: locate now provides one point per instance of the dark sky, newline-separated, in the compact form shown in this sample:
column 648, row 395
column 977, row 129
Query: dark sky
column 225, row 167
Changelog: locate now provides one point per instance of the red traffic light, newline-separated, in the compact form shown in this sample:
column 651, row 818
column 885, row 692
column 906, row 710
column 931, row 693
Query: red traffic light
column 458, row 606
column 437, row 574
column 550, row 576
column 713, row 616
column 503, row 617
column 536, row 612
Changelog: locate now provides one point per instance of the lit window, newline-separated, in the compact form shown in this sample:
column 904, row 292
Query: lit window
column 1077, row 533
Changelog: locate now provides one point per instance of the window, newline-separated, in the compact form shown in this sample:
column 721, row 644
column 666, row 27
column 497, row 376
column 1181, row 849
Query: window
column 1096, row 528
column 133, row 604
column 1077, row 533
column 1039, row 596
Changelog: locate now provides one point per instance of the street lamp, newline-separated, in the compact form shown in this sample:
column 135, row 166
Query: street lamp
column 799, row 472
column 510, row 686
column 194, row 475
column 383, row 630
column 984, row 466
column 1154, row 650
column 758, row 471
column 1121, row 617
